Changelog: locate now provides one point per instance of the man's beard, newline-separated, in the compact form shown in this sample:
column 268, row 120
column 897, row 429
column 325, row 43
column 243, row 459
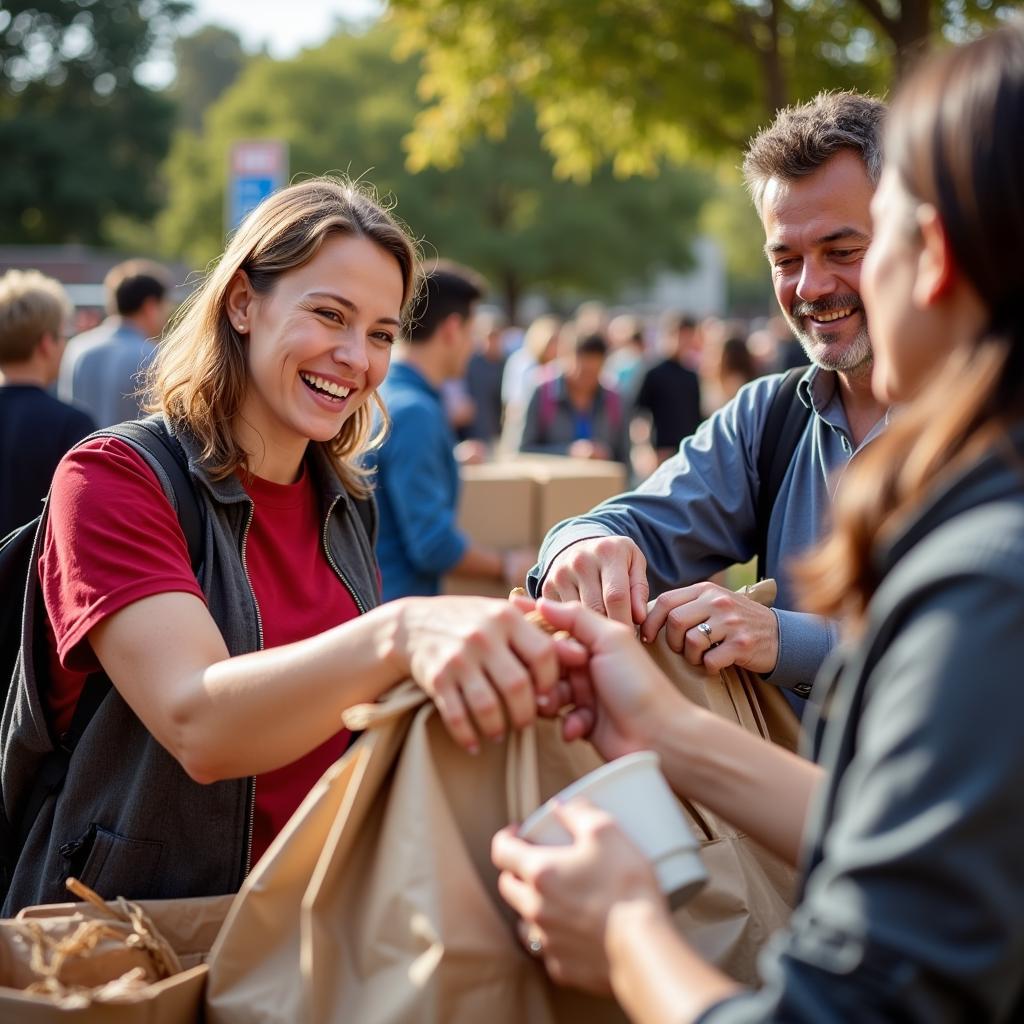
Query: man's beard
column 856, row 355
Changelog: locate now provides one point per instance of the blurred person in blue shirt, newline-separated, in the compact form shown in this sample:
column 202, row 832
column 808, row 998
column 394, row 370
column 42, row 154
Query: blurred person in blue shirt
column 417, row 474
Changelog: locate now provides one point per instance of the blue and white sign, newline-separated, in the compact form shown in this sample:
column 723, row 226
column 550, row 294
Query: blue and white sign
column 258, row 167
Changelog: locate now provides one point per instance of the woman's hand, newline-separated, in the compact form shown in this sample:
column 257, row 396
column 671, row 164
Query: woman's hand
column 565, row 894
column 620, row 700
column 481, row 662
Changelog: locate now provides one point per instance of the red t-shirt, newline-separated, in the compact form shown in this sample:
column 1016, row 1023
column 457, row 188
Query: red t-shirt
column 112, row 538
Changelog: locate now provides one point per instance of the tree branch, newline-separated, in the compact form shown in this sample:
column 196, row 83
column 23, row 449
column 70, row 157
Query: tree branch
column 875, row 9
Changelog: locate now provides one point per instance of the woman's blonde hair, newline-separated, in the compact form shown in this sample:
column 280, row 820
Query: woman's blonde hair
column 200, row 374
column 954, row 139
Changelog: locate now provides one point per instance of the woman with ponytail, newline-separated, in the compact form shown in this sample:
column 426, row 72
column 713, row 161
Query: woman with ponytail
column 906, row 819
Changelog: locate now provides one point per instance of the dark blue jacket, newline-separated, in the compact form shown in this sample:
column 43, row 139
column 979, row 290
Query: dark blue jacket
column 36, row 430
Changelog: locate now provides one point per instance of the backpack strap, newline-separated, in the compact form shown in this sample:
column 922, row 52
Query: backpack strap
column 784, row 426
column 152, row 435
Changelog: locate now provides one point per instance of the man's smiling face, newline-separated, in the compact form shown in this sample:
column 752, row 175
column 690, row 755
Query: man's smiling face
column 817, row 229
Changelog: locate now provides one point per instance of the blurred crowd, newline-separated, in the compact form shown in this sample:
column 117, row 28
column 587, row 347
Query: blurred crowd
column 600, row 384
column 606, row 384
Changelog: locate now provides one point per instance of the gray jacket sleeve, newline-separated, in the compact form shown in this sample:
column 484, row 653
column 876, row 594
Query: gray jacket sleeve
column 916, row 911
column 697, row 515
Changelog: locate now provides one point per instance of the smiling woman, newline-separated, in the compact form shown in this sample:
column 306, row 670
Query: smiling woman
column 221, row 689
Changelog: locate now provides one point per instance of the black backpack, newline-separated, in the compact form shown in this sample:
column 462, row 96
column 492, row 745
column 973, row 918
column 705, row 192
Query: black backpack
column 784, row 426
column 15, row 573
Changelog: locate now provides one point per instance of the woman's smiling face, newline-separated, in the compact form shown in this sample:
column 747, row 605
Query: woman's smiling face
column 319, row 343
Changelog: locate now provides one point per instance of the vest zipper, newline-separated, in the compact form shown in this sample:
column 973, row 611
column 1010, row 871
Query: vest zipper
column 259, row 631
column 334, row 565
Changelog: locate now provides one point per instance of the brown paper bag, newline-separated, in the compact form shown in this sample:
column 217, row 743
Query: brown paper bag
column 378, row 904
column 750, row 891
column 189, row 925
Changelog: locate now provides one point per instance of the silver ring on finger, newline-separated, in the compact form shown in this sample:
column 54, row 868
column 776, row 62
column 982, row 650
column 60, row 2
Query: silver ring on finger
column 705, row 631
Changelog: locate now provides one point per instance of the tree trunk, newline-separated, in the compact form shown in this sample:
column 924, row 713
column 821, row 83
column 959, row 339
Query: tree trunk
column 776, row 92
column 511, row 292
column 909, row 30
column 912, row 34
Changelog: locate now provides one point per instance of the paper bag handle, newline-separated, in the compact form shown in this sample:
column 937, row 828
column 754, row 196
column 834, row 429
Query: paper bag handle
column 522, row 778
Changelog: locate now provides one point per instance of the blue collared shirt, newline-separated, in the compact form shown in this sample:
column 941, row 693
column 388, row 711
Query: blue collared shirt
column 417, row 488
column 696, row 515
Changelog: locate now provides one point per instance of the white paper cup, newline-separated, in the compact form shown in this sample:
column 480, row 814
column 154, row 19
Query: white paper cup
column 634, row 792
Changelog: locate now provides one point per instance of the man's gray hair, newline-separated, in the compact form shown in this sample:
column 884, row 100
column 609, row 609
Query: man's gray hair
column 803, row 138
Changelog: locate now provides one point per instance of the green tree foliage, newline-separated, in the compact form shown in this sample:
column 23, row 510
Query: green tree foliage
column 206, row 63
column 638, row 80
column 348, row 105
column 81, row 139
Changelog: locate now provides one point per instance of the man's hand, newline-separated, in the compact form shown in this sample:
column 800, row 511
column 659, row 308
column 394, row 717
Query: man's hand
column 606, row 574
column 715, row 627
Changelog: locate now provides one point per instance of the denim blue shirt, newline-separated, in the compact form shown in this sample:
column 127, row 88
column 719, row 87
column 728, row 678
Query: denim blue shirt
column 697, row 513
column 417, row 488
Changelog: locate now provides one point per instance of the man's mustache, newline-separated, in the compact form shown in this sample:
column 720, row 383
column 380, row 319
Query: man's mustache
column 826, row 305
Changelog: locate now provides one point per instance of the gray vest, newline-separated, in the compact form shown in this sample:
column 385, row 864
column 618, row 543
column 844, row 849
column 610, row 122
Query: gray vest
column 129, row 821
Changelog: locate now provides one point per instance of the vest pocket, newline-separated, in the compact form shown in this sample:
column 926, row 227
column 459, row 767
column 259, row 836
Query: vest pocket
column 115, row 865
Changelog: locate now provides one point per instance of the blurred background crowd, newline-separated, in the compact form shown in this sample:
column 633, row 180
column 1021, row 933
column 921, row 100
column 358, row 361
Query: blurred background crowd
column 628, row 296
column 634, row 386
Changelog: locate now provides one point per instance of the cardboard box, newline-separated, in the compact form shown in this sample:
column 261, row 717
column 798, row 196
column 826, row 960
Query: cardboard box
column 569, row 487
column 514, row 502
column 189, row 925
column 497, row 508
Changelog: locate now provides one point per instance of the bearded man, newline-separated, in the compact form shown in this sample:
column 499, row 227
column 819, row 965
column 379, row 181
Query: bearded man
column 758, row 477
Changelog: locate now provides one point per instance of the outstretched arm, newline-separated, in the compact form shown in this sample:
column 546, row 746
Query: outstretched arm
column 225, row 717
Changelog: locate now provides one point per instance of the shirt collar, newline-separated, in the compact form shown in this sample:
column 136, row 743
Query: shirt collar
column 818, row 391
column 406, row 373
column 817, row 388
